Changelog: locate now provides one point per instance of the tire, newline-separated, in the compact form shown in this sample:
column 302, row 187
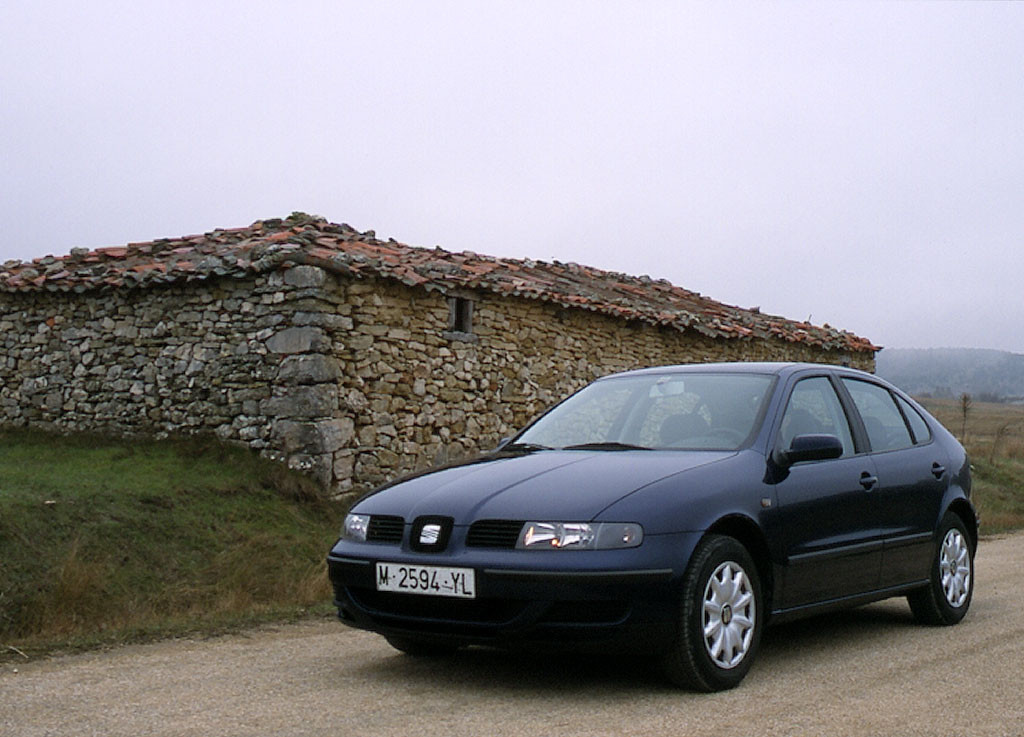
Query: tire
column 420, row 648
column 947, row 597
column 702, row 658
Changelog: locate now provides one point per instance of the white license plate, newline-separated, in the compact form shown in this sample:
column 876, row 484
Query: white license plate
column 428, row 580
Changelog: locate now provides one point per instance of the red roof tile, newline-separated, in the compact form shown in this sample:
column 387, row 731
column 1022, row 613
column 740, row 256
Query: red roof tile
column 271, row 244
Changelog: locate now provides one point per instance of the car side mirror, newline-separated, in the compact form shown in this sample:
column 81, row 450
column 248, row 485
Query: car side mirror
column 809, row 448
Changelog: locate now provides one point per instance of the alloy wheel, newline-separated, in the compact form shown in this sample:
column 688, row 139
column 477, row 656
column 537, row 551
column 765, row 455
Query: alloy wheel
column 729, row 615
column 955, row 568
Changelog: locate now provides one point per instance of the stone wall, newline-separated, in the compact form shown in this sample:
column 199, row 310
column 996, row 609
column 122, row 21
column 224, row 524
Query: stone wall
column 418, row 398
column 353, row 382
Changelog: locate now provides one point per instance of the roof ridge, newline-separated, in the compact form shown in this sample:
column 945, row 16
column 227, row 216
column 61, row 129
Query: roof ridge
column 300, row 238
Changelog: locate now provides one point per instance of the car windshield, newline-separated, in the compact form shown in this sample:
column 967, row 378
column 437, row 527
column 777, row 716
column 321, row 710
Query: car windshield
column 686, row 411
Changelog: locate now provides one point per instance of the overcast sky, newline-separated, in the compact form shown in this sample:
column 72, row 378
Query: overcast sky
column 860, row 164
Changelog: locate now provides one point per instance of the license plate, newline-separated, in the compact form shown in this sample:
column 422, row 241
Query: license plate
column 427, row 580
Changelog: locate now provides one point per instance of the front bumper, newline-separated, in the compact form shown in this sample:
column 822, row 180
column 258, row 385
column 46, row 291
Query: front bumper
column 634, row 607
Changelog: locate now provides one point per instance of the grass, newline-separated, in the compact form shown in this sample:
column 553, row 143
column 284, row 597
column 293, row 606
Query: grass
column 105, row 540
column 994, row 437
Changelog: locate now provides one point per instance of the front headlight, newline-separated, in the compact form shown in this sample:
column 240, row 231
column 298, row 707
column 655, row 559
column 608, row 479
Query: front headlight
column 355, row 527
column 579, row 535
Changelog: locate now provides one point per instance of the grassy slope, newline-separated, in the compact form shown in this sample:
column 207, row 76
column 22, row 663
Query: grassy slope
column 105, row 541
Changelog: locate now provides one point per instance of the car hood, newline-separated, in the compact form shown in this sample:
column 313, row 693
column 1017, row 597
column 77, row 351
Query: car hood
column 550, row 484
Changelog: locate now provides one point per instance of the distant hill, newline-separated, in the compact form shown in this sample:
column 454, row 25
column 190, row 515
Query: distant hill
column 992, row 376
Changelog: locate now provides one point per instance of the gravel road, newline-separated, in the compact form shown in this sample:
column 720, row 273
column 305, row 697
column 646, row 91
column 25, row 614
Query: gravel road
column 867, row 672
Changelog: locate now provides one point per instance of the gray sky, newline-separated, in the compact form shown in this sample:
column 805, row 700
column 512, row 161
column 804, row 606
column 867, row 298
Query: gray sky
column 861, row 164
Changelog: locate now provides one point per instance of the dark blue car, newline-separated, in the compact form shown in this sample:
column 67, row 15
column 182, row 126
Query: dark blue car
column 673, row 511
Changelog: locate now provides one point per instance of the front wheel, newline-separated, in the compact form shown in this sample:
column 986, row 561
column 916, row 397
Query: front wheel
column 947, row 596
column 720, row 618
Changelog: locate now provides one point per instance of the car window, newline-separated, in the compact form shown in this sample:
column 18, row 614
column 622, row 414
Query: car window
column 672, row 417
column 586, row 417
column 679, row 411
column 695, row 411
column 814, row 409
column 917, row 424
column 884, row 424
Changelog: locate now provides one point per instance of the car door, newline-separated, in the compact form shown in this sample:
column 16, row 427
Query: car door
column 912, row 477
column 831, row 543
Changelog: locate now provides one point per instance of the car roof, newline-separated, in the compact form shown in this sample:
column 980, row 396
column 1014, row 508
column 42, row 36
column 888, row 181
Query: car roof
column 739, row 367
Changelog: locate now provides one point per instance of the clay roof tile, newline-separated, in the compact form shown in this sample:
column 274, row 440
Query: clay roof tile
column 272, row 243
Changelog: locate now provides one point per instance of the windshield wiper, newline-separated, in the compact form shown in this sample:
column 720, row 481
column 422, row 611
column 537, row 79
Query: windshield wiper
column 524, row 447
column 606, row 446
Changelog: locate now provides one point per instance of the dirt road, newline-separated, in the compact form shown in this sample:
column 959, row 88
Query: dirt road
column 867, row 672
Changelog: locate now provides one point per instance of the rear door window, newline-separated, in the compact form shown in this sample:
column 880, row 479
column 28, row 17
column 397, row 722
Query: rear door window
column 882, row 419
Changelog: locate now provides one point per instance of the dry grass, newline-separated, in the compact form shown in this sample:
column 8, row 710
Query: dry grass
column 76, row 599
column 992, row 430
column 994, row 437
column 111, row 541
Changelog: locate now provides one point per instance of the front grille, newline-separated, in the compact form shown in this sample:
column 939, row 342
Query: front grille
column 423, row 609
column 385, row 528
column 494, row 533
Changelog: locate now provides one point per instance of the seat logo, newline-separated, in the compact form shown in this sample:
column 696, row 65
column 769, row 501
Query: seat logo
column 429, row 534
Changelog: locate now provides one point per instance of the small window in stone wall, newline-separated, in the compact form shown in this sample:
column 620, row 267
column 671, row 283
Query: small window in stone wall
column 460, row 319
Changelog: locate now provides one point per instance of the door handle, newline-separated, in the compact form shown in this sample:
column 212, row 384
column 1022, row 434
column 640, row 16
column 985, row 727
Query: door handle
column 938, row 469
column 868, row 481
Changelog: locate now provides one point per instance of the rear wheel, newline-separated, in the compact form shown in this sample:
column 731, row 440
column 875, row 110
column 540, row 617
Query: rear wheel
column 947, row 596
column 420, row 648
column 720, row 618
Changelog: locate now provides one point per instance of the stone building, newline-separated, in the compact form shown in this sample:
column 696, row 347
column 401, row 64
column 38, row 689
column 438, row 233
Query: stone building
column 343, row 355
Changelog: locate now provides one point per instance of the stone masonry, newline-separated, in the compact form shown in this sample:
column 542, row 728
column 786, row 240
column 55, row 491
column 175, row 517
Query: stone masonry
column 353, row 380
